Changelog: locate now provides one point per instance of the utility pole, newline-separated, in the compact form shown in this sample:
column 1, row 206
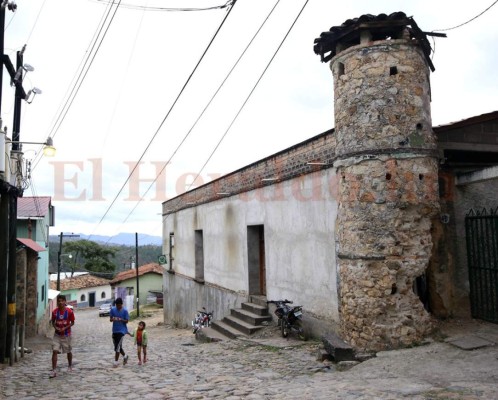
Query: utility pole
column 4, row 227
column 59, row 256
column 8, row 216
column 136, row 266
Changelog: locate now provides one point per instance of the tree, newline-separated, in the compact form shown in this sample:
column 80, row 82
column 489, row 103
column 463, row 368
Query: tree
column 91, row 257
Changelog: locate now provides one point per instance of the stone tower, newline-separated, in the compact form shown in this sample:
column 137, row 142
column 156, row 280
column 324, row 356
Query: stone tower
column 387, row 163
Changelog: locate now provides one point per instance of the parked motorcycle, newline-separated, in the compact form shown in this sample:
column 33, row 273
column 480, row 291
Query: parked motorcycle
column 202, row 320
column 289, row 318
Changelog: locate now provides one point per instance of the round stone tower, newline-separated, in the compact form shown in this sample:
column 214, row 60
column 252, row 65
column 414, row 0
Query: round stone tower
column 386, row 160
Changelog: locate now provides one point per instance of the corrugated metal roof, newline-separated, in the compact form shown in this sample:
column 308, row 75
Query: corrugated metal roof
column 466, row 122
column 31, row 244
column 144, row 269
column 33, row 206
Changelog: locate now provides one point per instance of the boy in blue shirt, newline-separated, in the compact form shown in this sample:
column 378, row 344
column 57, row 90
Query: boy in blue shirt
column 119, row 317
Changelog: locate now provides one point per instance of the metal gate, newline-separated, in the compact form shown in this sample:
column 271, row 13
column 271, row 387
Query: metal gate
column 482, row 254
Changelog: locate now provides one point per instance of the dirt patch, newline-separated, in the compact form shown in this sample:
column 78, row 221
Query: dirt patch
column 151, row 315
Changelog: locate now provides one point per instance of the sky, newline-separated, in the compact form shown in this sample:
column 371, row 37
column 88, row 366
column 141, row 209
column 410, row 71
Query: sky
column 126, row 97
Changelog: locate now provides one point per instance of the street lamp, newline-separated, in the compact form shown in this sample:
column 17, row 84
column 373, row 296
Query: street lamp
column 11, row 157
column 59, row 255
column 18, row 77
column 31, row 94
column 48, row 146
column 59, row 266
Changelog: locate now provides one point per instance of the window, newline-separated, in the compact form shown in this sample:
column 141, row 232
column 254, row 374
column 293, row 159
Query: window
column 43, row 293
column 199, row 256
column 82, row 298
column 171, row 249
column 102, row 296
column 340, row 69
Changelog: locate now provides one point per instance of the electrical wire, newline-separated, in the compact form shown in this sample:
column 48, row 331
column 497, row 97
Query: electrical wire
column 466, row 22
column 203, row 111
column 128, row 64
column 36, row 21
column 88, row 61
column 148, row 8
column 36, row 200
column 165, row 117
column 245, row 102
column 10, row 21
column 249, row 95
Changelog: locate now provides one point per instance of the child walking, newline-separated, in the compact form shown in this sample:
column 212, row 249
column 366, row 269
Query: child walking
column 141, row 339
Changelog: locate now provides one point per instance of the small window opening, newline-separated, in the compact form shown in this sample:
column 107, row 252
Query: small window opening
column 388, row 176
column 419, row 126
column 393, row 71
column 420, row 177
column 340, row 69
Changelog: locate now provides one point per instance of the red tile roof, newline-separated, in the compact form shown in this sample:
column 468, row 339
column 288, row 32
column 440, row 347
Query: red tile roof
column 151, row 268
column 80, row 282
column 33, row 206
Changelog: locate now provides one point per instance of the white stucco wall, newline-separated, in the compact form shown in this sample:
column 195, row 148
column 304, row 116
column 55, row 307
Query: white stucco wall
column 98, row 290
column 298, row 217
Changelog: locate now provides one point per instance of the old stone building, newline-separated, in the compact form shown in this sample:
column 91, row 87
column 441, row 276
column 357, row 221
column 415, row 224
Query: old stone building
column 387, row 161
column 347, row 223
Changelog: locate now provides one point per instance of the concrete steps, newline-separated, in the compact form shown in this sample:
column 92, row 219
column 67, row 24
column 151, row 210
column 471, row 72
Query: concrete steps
column 244, row 321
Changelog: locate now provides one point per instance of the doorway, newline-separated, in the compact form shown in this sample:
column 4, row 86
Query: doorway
column 91, row 299
column 256, row 260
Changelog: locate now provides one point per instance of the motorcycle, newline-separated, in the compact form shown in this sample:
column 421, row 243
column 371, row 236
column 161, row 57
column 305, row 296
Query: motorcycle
column 289, row 318
column 202, row 320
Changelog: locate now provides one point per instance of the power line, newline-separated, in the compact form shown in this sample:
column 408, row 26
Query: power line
column 36, row 21
column 119, row 93
column 203, row 111
column 247, row 98
column 240, row 109
column 250, row 94
column 88, row 61
column 165, row 117
column 179, row 9
column 76, row 89
column 466, row 22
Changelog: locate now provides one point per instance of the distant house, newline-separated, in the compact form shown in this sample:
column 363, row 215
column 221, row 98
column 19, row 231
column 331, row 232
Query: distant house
column 150, row 279
column 85, row 290
column 34, row 217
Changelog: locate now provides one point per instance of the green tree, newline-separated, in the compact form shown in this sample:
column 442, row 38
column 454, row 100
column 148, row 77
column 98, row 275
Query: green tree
column 91, row 256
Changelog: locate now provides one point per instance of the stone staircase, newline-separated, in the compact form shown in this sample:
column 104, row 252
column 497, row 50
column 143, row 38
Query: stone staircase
column 246, row 320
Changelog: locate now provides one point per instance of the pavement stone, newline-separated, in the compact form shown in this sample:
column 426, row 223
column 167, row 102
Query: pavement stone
column 180, row 367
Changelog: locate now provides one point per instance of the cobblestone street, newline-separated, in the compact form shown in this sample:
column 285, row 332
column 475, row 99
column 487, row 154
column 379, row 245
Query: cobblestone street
column 179, row 367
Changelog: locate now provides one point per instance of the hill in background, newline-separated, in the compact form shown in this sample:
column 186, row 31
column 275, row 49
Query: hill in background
column 149, row 249
column 125, row 239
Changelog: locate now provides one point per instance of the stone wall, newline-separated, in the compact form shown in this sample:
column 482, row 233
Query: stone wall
column 388, row 191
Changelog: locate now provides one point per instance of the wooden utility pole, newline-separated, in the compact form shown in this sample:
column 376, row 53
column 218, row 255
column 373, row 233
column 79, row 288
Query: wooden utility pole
column 136, row 266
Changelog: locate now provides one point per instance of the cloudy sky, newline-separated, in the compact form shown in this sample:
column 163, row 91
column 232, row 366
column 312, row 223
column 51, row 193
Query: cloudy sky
column 111, row 79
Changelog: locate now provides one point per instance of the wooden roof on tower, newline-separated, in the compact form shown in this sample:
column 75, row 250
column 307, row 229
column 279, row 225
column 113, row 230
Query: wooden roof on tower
column 380, row 27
